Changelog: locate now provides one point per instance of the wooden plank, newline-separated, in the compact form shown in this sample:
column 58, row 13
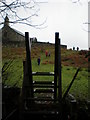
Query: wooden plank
column 39, row 106
column 56, row 64
column 43, row 82
column 28, row 60
column 43, row 73
column 43, row 86
column 40, row 86
column 45, row 112
column 43, row 91
column 59, row 72
column 41, row 99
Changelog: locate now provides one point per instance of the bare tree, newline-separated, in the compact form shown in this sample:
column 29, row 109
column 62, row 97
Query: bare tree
column 23, row 11
column 20, row 11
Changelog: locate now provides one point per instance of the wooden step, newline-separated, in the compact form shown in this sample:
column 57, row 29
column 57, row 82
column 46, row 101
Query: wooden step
column 43, row 73
column 43, row 86
column 43, row 90
column 41, row 115
column 43, row 82
column 44, row 112
column 40, row 86
column 42, row 99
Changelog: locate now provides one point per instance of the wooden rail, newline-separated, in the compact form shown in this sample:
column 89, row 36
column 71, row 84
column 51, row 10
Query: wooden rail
column 43, row 73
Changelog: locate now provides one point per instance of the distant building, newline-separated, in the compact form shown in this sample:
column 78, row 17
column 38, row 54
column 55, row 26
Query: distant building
column 11, row 36
column 64, row 46
column 47, row 43
column 33, row 40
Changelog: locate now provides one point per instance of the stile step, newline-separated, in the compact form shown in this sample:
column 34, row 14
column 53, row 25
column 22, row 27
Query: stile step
column 43, row 73
column 43, row 90
column 43, row 82
column 42, row 99
column 42, row 112
column 43, row 86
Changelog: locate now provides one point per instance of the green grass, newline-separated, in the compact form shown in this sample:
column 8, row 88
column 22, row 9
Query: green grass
column 79, row 88
column 14, row 73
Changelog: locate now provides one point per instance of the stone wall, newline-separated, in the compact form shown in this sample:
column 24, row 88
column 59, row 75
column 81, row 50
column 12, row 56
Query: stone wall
column 47, row 43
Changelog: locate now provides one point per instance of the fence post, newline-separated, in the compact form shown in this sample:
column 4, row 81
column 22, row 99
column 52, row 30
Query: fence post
column 59, row 72
column 28, row 62
column 57, row 78
column 56, row 64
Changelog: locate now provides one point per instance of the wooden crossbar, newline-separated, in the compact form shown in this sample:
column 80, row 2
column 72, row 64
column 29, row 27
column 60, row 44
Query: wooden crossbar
column 43, row 90
column 43, row 86
column 41, row 99
column 43, row 82
column 52, row 112
column 43, row 73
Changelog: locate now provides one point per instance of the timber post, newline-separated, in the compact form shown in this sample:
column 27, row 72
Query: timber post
column 56, row 65
column 57, row 68
column 59, row 72
column 28, row 62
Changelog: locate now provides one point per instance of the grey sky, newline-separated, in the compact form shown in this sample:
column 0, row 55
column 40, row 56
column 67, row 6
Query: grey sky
column 64, row 17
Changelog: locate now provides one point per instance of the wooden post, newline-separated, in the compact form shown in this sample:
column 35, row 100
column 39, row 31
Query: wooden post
column 56, row 65
column 59, row 72
column 57, row 78
column 28, row 62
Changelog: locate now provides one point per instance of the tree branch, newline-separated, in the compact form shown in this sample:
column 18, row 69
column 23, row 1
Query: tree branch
column 12, row 10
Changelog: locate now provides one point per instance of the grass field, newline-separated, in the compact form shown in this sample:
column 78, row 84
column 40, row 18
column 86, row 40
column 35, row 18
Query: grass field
column 71, row 60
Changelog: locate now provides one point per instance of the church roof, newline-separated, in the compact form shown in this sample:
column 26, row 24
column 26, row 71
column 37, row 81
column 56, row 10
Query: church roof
column 6, row 23
column 18, row 31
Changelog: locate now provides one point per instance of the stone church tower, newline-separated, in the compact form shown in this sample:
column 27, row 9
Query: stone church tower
column 6, row 21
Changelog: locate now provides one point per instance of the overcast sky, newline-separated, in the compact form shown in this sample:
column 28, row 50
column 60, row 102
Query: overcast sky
column 64, row 17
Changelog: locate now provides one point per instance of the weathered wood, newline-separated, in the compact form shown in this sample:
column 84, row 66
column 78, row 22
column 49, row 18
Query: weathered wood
column 43, row 73
column 57, row 78
column 44, row 87
column 56, row 64
column 43, row 91
column 44, row 82
column 41, row 99
column 59, row 72
column 45, row 112
column 28, row 60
